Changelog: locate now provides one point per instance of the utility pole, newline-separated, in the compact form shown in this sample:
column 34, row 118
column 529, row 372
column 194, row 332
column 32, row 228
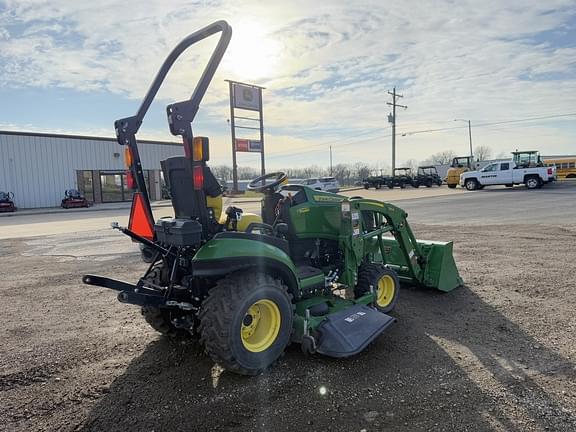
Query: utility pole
column 469, row 135
column 392, row 119
column 330, row 161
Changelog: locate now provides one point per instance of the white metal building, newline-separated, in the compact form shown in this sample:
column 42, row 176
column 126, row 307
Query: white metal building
column 38, row 167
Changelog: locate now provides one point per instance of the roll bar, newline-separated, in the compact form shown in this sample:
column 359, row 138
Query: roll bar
column 180, row 114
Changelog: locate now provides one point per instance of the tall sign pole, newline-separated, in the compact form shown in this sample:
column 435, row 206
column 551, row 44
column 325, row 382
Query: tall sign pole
column 245, row 97
column 262, row 163
column 233, row 133
column 392, row 119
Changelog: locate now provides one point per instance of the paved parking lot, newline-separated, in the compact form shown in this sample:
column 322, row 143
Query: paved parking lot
column 555, row 203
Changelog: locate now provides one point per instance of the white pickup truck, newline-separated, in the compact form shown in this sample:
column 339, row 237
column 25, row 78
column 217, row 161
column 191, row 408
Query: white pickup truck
column 524, row 168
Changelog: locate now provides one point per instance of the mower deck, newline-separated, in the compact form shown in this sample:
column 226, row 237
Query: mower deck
column 349, row 331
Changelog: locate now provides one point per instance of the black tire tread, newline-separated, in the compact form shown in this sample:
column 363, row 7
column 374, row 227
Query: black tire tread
column 157, row 318
column 367, row 274
column 218, row 311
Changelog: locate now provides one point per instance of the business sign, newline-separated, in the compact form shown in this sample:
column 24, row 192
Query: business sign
column 251, row 146
column 246, row 97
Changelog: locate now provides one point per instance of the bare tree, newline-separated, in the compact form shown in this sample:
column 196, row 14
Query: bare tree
column 440, row 158
column 361, row 171
column 247, row 173
column 222, row 172
column 482, row 152
column 412, row 164
column 342, row 173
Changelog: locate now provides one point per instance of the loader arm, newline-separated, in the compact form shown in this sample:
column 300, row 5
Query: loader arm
column 423, row 263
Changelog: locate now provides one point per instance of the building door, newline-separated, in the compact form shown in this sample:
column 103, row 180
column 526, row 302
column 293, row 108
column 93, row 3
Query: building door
column 112, row 186
column 85, row 185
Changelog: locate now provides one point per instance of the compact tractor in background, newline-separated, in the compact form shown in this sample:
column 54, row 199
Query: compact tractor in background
column 7, row 202
column 317, row 269
column 74, row 199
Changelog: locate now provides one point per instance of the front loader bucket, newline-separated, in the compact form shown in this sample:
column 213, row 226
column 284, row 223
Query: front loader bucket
column 439, row 268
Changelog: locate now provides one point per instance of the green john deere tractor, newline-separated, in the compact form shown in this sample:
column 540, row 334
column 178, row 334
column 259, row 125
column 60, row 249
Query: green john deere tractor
column 317, row 269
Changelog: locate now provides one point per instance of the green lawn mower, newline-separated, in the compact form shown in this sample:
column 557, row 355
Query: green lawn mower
column 317, row 269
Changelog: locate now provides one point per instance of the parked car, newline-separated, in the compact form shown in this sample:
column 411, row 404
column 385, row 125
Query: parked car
column 326, row 184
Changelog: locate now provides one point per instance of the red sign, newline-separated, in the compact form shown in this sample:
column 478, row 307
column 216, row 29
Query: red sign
column 251, row 146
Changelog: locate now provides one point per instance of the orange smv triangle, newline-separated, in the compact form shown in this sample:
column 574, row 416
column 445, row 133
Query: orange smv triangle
column 140, row 219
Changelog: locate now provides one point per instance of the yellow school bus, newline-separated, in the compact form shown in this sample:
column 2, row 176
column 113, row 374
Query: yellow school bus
column 565, row 166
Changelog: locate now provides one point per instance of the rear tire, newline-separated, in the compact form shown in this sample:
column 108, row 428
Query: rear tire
column 471, row 184
column 159, row 319
column 246, row 322
column 366, row 186
column 385, row 283
column 532, row 182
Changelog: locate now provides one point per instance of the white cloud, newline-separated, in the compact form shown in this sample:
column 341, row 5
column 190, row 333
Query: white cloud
column 325, row 67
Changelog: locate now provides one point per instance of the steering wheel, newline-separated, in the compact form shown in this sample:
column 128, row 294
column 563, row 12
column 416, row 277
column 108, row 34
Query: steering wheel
column 260, row 184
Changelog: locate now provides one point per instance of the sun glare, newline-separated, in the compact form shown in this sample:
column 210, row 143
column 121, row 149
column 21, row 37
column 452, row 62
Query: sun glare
column 253, row 53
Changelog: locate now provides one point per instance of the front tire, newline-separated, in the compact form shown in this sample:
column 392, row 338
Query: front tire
column 384, row 282
column 471, row 184
column 246, row 322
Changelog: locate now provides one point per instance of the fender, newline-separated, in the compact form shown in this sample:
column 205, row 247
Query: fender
column 224, row 255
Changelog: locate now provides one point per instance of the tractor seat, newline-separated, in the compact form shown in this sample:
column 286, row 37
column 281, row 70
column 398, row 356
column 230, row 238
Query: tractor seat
column 264, row 238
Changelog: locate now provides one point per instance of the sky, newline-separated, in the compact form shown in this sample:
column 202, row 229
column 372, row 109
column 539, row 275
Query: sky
column 509, row 67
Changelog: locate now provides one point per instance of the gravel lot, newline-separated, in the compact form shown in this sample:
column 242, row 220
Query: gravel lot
column 497, row 354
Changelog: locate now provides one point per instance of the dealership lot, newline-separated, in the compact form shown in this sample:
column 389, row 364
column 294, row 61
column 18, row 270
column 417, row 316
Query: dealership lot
column 496, row 354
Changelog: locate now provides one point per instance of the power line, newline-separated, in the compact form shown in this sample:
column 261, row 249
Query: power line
column 488, row 124
column 332, row 142
column 352, row 142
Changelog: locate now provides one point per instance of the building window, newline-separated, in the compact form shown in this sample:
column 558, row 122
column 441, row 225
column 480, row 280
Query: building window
column 85, row 185
column 114, row 186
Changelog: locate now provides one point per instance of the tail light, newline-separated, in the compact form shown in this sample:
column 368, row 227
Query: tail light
column 128, row 158
column 198, row 177
column 549, row 171
column 198, row 150
column 130, row 183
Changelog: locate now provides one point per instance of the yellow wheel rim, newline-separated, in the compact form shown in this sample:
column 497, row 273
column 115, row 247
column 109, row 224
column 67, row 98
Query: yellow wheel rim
column 386, row 289
column 260, row 326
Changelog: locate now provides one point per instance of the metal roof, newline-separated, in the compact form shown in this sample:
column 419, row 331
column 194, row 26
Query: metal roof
column 82, row 137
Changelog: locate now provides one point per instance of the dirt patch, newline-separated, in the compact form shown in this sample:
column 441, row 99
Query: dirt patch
column 497, row 354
